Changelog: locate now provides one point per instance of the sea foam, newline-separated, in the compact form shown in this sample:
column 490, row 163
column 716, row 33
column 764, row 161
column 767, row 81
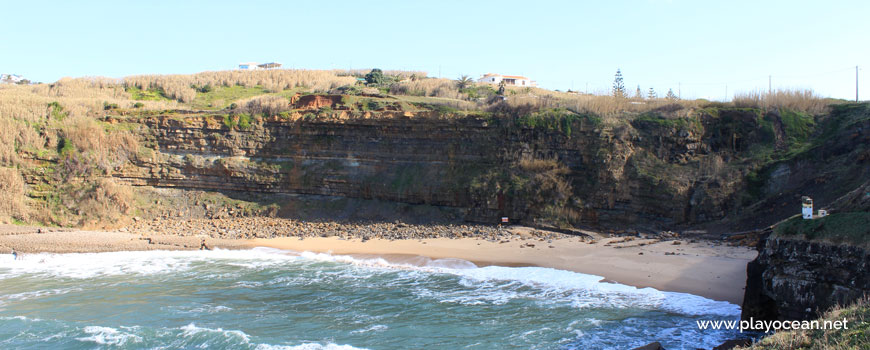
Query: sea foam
column 499, row 284
column 490, row 284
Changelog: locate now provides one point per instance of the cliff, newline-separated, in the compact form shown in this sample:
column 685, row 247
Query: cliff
column 614, row 176
column 797, row 279
column 651, row 171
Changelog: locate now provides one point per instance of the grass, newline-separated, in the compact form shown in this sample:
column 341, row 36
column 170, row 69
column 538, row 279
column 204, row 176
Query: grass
column 556, row 119
column 848, row 227
column 222, row 96
column 796, row 100
column 679, row 123
column 146, row 95
column 857, row 336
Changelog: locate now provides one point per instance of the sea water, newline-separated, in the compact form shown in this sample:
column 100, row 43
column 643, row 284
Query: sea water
column 273, row 299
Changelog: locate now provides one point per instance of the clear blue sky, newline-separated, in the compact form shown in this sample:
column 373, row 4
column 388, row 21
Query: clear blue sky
column 705, row 45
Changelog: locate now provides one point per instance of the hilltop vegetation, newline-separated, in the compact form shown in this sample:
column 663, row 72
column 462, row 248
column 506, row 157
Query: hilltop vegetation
column 60, row 142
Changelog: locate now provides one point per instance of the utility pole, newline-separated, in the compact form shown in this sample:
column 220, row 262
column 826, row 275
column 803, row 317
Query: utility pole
column 856, row 84
column 680, row 90
column 769, row 85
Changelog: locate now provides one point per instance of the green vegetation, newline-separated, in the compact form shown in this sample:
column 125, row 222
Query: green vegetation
column 56, row 111
column 857, row 336
column 847, row 227
column 533, row 189
column 222, row 96
column 229, row 121
column 147, row 95
column 376, row 78
column 245, row 121
column 557, row 119
column 798, row 127
column 690, row 122
column 482, row 91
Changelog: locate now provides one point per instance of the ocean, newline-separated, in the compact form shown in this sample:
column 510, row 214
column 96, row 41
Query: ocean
column 272, row 299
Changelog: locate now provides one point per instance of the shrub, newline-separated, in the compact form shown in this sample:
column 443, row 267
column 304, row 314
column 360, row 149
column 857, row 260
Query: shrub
column 104, row 201
column 229, row 121
column 375, row 77
column 795, row 100
column 12, row 195
column 266, row 105
column 244, row 121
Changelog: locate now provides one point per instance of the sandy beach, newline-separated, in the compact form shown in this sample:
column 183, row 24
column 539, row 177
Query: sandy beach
column 716, row 272
column 710, row 269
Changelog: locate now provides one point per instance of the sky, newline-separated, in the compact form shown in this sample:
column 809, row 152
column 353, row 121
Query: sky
column 700, row 49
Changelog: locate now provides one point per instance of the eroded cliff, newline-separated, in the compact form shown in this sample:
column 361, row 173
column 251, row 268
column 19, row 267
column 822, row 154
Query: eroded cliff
column 650, row 171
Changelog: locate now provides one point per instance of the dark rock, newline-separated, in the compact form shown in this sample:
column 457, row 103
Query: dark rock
column 651, row 346
column 796, row 279
column 733, row 343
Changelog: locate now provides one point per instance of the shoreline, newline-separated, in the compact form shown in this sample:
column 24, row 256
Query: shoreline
column 714, row 272
column 709, row 269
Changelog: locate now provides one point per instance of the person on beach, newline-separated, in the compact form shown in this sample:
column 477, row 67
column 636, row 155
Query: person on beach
column 14, row 254
column 202, row 245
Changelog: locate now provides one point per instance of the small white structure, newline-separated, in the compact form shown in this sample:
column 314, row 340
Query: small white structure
column 509, row 80
column 807, row 208
column 823, row 213
column 11, row 78
column 248, row 66
column 256, row 66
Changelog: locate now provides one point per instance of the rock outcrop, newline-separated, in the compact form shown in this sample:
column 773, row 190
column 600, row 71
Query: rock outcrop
column 796, row 279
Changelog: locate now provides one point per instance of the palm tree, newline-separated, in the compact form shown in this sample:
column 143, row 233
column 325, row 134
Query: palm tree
column 464, row 82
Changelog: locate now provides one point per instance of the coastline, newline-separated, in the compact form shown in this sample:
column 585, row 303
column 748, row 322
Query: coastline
column 708, row 269
column 714, row 272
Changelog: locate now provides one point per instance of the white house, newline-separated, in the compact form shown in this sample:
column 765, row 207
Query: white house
column 255, row 66
column 11, row 78
column 509, row 80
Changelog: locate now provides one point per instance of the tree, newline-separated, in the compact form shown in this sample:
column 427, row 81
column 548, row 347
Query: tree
column 652, row 94
column 638, row 94
column 671, row 95
column 464, row 82
column 375, row 77
column 618, row 85
column 501, row 88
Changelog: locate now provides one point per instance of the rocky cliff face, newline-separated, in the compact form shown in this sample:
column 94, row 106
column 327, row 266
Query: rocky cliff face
column 619, row 176
column 648, row 171
column 796, row 279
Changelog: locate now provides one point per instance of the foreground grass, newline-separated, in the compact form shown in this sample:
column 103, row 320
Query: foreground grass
column 857, row 336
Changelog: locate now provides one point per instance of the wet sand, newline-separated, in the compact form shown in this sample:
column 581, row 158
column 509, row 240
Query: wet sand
column 712, row 270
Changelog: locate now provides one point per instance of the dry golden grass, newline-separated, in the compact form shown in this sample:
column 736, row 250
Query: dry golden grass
column 401, row 74
column 104, row 150
column 602, row 105
column 856, row 337
column 265, row 105
column 12, row 190
column 181, row 87
column 798, row 100
column 106, row 204
column 430, row 87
